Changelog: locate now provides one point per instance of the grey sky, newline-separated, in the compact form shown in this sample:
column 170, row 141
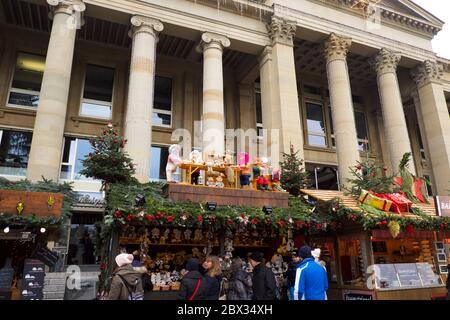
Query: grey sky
column 440, row 9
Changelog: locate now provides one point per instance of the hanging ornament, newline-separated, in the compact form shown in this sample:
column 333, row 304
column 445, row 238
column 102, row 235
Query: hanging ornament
column 394, row 228
column 50, row 201
column 20, row 207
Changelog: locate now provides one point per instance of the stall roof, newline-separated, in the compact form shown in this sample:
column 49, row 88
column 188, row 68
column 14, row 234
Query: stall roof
column 352, row 203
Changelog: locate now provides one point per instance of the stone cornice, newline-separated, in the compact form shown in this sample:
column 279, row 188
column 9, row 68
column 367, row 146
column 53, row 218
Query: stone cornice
column 281, row 30
column 213, row 40
column 395, row 17
column 385, row 61
column 428, row 71
column 336, row 47
column 145, row 24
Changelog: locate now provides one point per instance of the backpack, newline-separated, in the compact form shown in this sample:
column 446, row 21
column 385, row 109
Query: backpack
column 133, row 294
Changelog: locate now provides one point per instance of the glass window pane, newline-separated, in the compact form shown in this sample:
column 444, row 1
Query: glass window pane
column 311, row 89
column 83, row 149
column 14, row 152
column 161, row 119
column 81, row 244
column 96, row 110
column 99, row 83
column 65, row 172
column 69, row 147
column 27, row 77
column 163, row 93
column 258, row 107
column 361, row 128
column 316, row 140
column 158, row 163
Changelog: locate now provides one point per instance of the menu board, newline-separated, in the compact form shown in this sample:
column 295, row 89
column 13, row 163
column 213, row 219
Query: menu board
column 33, row 280
column 429, row 278
column 408, row 275
column 6, row 275
column 386, row 276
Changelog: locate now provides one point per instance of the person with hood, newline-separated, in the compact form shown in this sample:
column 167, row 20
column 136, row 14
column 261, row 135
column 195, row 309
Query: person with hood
column 264, row 284
column 138, row 266
column 240, row 285
column 193, row 284
column 126, row 283
column 311, row 281
column 290, row 274
column 213, row 277
column 316, row 255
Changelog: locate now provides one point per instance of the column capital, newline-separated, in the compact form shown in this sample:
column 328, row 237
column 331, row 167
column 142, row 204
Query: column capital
column 428, row 71
column 336, row 47
column 282, row 30
column 385, row 61
column 145, row 24
column 265, row 55
column 67, row 6
column 213, row 40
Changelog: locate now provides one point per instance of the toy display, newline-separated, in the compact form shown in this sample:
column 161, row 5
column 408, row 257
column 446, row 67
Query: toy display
column 195, row 157
column 173, row 161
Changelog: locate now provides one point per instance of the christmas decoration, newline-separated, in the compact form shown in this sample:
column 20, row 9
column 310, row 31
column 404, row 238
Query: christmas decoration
column 410, row 184
column 293, row 176
column 394, row 228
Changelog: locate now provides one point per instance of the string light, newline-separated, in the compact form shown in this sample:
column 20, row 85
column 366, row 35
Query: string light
column 43, row 230
column 6, row 230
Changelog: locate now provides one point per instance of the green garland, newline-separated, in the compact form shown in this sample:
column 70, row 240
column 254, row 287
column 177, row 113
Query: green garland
column 10, row 218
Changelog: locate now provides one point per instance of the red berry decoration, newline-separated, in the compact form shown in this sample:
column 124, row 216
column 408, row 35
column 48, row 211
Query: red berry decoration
column 318, row 226
column 409, row 228
column 229, row 222
column 149, row 217
column 170, row 218
column 255, row 221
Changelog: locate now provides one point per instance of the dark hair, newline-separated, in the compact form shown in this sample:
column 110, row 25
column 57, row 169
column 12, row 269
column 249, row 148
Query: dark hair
column 236, row 265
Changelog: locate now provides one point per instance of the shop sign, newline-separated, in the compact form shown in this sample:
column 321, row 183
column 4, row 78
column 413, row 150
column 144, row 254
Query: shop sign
column 358, row 295
column 27, row 203
column 443, row 206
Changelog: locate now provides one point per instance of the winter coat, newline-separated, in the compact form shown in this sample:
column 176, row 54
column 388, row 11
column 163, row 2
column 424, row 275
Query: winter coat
column 264, row 283
column 118, row 290
column 213, row 287
column 448, row 280
column 290, row 274
column 188, row 285
column 311, row 282
column 240, row 286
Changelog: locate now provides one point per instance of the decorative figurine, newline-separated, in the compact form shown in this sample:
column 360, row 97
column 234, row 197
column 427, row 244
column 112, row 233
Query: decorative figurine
column 198, row 235
column 177, row 236
column 245, row 171
column 173, row 161
column 210, row 182
column 187, row 235
column 219, row 182
column 228, row 160
column 195, row 157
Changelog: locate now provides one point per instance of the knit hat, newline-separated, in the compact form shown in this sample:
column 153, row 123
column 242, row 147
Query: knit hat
column 316, row 253
column 305, row 252
column 123, row 259
column 257, row 256
column 192, row 264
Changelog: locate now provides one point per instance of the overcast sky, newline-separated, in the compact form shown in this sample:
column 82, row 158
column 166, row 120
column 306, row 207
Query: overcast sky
column 440, row 9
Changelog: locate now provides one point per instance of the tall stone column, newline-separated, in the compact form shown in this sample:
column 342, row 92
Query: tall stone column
column 385, row 64
column 138, row 122
column 48, row 133
column 336, row 49
column 279, row 95
column 213, row 119
column 433, row 109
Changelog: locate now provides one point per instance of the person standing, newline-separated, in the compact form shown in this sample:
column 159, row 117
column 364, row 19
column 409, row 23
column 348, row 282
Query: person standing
column 290, row 274
column 213, row 277
column 126, row 283
column 193, row 284
column 311, row 281
column 264, row 284
column 448, row 278
column 240, row 285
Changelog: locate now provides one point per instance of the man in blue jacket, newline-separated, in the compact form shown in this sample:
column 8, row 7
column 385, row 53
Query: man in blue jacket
column 311, row 281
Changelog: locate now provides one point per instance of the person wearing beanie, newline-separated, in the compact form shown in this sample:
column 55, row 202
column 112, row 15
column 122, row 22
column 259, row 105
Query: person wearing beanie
column 263, row 281
column 290, row 273
column 126, row 283
column 316, row 255
column 193, row 284
column 311, row 282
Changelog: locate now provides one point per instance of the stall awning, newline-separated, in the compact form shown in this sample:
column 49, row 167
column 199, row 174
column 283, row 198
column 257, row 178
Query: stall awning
column 352, row 203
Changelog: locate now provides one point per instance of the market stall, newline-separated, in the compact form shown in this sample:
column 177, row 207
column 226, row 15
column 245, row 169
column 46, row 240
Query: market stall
column 369, row 257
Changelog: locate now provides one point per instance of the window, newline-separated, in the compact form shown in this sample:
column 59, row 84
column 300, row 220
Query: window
column 420, row 141
column 311, row 89
column 75, row 150
column 429, row 191
column 258, row 106
column 162, row 105
column 353, row 259
column 158, row 163
column 82, row 236
column 27, row 80
column 98, row 92
column 322, row 177
column 315, row 125
column 361, row 131
column 14, row 152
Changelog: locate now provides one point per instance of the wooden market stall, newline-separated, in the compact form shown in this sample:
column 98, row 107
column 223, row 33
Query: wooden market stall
column 371, row 264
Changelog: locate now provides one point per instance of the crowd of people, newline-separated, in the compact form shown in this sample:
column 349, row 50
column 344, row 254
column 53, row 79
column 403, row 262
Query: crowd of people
column 306, row 279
